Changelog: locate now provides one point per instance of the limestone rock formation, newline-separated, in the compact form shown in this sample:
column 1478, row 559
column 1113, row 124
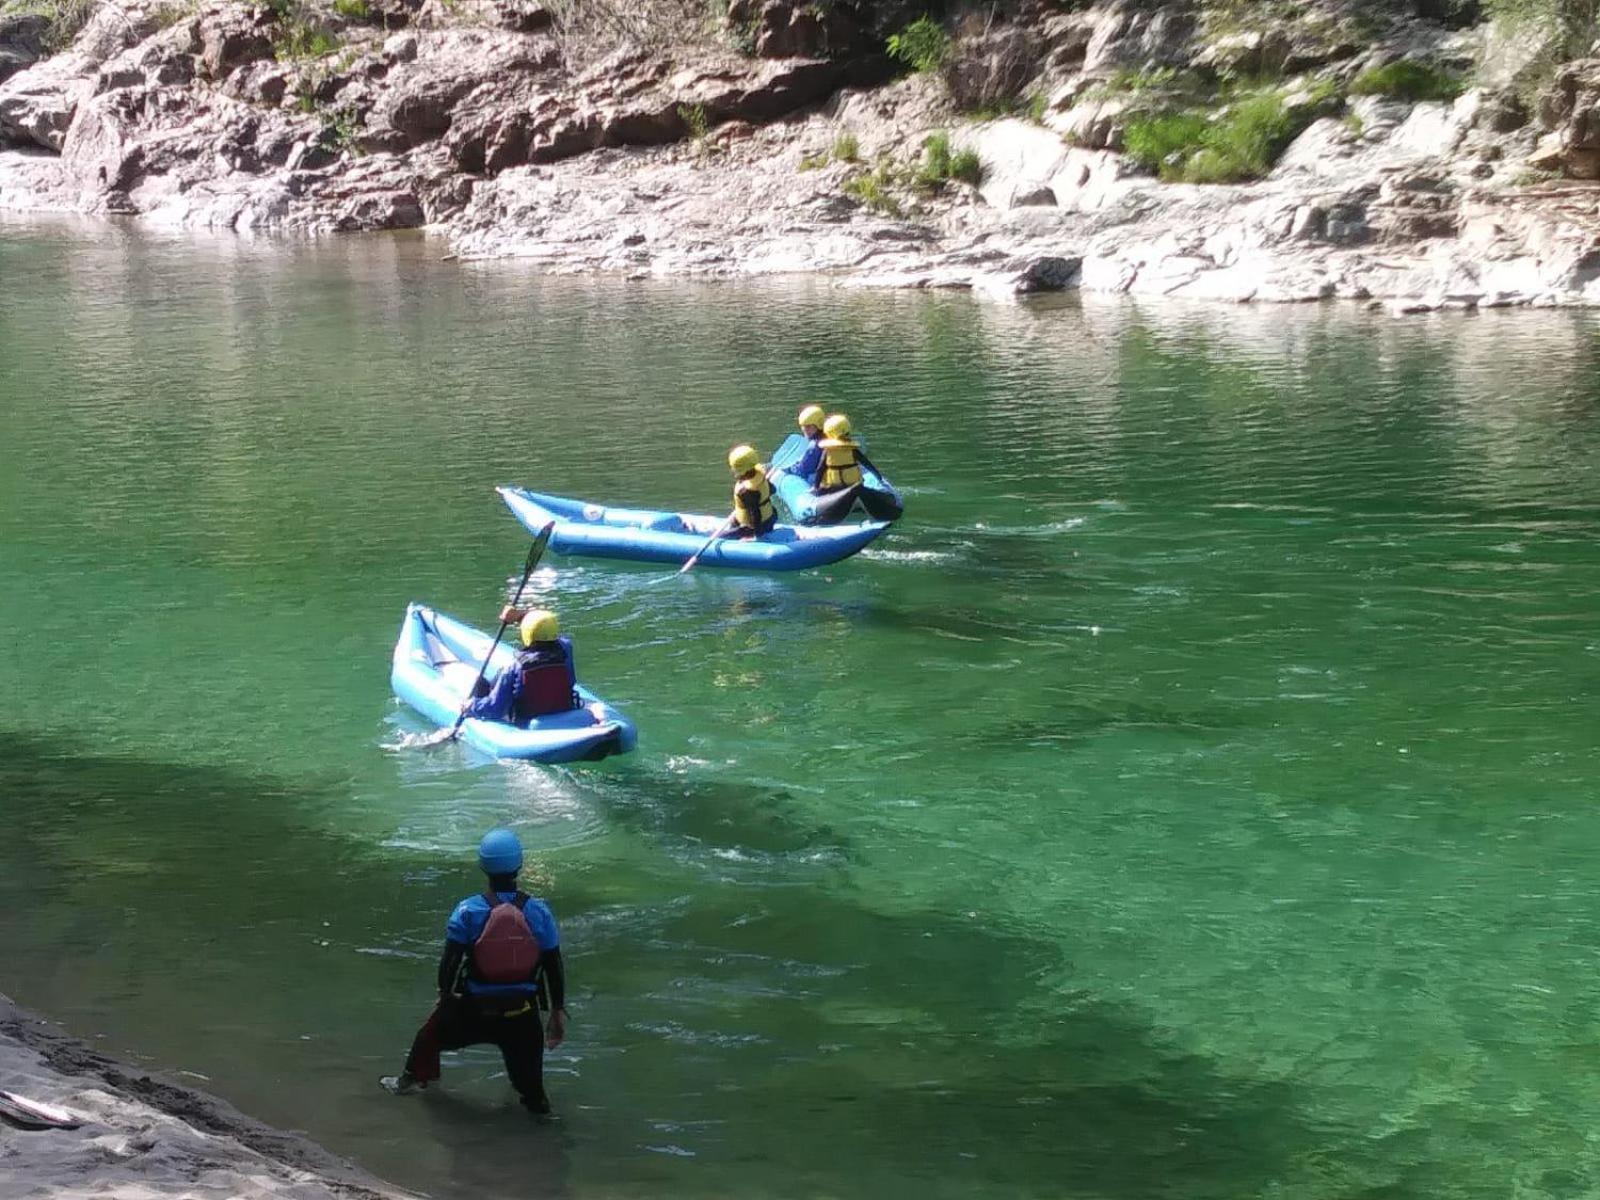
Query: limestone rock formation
column 779, row 141
column 1570, row 110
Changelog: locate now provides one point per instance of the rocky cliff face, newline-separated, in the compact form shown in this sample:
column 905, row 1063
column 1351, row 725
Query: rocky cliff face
column 782, row 138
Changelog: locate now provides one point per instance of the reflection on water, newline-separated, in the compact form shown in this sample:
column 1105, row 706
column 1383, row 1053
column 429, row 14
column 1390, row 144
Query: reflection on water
column 1193, row 796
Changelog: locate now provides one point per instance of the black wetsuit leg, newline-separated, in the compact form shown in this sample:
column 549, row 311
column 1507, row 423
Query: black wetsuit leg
column 521, row 1042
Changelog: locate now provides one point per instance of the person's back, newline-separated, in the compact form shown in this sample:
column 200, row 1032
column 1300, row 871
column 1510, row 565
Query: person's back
column 753, row 510
column 841, row 458
column 502, row 930
column 540, row 682
column 547, row 684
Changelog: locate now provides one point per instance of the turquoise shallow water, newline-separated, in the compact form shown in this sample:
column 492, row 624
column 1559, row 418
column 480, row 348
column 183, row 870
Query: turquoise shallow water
column 1193, row 797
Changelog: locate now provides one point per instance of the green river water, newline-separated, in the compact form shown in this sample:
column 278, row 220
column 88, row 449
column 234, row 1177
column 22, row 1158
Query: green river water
column 1195, row 796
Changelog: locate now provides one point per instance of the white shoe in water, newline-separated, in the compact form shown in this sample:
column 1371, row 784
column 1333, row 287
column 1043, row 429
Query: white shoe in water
column 401, row 1084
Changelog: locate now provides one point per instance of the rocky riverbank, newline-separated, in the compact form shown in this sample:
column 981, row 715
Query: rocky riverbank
column 147, row 1137
column 780, row 138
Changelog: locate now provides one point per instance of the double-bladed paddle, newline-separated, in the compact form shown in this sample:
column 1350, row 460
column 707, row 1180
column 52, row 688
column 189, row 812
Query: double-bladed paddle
column 534, row 553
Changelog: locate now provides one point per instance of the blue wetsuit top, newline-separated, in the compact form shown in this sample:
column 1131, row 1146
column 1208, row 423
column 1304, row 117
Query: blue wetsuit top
column 809, row 464
column 472, row 914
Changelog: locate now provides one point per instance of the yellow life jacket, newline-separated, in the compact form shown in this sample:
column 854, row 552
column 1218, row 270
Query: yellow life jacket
column 841, row 465
column 754, row 485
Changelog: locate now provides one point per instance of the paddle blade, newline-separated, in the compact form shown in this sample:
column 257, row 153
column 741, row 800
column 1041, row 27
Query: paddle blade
column 422, row 741
column 36, row 1114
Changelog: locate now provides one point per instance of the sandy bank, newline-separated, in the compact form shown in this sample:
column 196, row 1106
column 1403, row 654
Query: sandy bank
column 146, row 1138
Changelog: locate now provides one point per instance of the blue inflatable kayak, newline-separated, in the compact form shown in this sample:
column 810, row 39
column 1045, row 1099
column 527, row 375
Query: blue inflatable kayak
column 436, row 661
column 874, row 495
column 662, row 537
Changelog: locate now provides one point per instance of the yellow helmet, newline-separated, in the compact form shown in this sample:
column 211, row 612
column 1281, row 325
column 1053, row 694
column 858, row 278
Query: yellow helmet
column 837, row 426
column 539, row 625
column 811, row 414
column 742, row 459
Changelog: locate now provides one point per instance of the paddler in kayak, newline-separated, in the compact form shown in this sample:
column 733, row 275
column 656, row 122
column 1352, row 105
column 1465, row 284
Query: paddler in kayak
column 753, row 512
column 539, row 683
column 810, row 422
column 841, row 457
column 501, row 964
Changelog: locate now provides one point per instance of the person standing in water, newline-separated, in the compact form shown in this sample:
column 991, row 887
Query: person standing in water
column 501, row 964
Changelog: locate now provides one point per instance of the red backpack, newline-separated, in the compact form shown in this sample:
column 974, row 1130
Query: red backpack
column 506, row 951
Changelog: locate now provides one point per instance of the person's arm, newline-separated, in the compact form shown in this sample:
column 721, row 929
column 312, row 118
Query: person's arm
column 806, row 468
column 555, row 983
column 555, row 977
column 458, row 937
column 543, row 923
column 450, row 967
column 497, row 704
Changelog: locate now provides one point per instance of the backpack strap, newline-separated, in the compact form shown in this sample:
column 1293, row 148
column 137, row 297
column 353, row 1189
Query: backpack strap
column 493, row 899
column 538, row 971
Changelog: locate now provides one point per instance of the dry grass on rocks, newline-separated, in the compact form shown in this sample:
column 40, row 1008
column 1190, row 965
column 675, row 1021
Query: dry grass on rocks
column 590, row 29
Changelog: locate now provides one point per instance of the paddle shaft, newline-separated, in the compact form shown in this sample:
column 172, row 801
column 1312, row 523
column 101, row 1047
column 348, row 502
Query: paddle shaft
column 733, row 519
column 721, row 529
column 537, row 549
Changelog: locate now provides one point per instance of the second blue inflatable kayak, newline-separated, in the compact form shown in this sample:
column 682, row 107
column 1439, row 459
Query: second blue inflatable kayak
column 645, row 535
column 436, row 660
column 874, row 495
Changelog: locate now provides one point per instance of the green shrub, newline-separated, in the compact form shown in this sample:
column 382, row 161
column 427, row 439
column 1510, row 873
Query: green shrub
column 66, row 18
column 1242, row 142
column 1151, row 140
column 341, row 130
column 923, row 45
column 353, row 10
column 1408, row 79
column 845, row 149
column 1253, row 132
column 1030, row 107
column 871, row 189
column 940, row 164
column 1531, row 176
column 935, row 168
column 966, row 166
column 695, row 120
column 302, row 40
column 1126, row 80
